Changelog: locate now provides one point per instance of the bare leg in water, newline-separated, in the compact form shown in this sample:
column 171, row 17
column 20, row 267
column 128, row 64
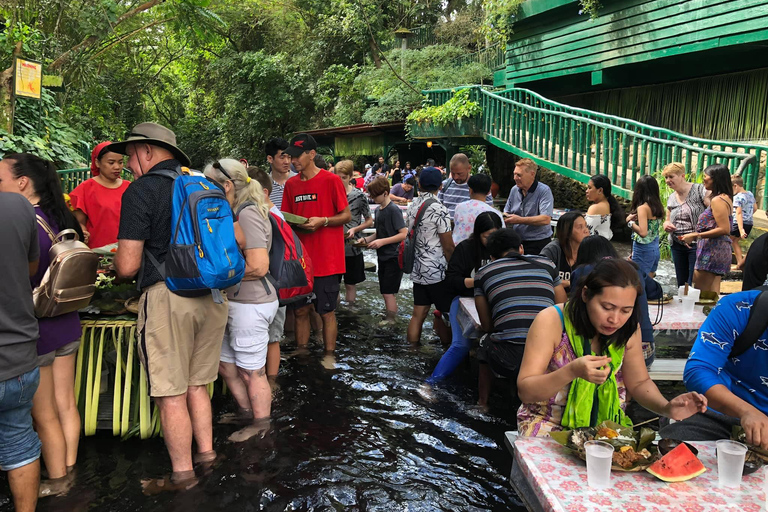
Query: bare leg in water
column 54, row 450
column 260, row 397
column 485, row 380
column 69, row 416
column 25, row 483
column 416, row 324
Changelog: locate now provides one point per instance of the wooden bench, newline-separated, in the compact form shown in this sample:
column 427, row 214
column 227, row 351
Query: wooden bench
column 667, row 369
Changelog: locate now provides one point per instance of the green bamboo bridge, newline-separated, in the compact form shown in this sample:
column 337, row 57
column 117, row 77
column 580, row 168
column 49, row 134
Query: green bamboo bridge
column 579, row 143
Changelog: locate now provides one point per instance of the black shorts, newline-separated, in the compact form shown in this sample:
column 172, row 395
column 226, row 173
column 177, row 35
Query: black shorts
column 325, row 294
column 735, row 230
column 503, row 357
column 437, row 294
column 355, row 269
column 390, row 276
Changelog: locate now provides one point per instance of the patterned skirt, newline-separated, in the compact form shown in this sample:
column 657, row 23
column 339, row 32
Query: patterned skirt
column 714, row 255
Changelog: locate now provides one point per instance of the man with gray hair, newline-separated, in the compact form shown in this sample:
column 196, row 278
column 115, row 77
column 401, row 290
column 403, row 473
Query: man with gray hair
column 529, row 208
column 179, row 337
column 455, row 190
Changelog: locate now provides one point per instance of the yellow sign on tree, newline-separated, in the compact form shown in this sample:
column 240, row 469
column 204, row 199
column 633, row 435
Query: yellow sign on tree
column 28, row 78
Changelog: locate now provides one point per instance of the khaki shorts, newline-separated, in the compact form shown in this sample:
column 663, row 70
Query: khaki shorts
column 179, row 339
column 66, row 350
column 277, row 326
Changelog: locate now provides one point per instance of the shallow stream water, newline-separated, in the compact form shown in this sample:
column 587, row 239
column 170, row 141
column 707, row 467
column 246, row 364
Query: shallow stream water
column 348, row 433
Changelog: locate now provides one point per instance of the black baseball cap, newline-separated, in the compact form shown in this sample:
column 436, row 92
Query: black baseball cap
column 301, row 143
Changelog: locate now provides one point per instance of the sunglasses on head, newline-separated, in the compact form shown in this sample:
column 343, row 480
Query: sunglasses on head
column 217, row 165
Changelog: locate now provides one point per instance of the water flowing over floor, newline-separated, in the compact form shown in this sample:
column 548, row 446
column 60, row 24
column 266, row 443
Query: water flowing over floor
column 348, row 433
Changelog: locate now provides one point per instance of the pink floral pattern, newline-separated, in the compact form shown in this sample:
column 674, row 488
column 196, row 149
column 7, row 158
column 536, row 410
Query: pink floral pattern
column 565, row 488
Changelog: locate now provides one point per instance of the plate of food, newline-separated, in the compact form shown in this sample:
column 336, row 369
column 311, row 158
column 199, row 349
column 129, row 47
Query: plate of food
column 633, row 450
column 359, row 242
column 294, row 220
column 708, row 298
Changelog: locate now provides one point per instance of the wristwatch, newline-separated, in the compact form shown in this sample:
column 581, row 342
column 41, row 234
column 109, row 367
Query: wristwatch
column 630, row 224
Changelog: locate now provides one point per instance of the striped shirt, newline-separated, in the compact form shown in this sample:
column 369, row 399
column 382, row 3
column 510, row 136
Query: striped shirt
column 517, row 291
column 276, row 196
column 453, row 194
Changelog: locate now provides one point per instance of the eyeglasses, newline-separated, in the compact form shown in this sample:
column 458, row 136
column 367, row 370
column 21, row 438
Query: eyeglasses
column 217, row 165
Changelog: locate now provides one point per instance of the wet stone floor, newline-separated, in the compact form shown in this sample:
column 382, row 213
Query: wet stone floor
column 348, row 433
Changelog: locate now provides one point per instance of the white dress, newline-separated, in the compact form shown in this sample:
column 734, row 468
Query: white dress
column 599, row 225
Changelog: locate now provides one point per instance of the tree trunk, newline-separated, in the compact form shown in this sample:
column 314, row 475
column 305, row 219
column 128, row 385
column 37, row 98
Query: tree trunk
column 375, row 53
column 6, row 93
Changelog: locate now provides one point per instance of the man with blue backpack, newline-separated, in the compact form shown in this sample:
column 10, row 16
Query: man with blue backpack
column 177, row 233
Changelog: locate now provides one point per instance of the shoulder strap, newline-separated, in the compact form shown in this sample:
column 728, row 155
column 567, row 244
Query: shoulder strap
column 448, row 185
column 421, row 212
column 562, row 318
column 167, row 173
column 756, row 325
column 47, row 228
column 530, row 260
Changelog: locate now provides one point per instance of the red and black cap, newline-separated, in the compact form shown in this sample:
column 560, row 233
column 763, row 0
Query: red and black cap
column 301, row 143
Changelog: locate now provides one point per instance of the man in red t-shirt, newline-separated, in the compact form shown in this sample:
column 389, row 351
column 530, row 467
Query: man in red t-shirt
column 320, row 196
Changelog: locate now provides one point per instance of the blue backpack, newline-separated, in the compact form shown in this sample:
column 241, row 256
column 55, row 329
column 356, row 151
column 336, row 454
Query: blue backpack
column 203, row 255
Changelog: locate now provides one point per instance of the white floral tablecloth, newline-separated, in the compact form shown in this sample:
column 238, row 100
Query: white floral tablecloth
column 558, row 481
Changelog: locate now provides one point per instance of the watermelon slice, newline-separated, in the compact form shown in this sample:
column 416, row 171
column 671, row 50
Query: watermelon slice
column 678, row 465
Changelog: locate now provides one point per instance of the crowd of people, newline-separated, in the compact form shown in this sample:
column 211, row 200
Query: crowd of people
column 566, row 320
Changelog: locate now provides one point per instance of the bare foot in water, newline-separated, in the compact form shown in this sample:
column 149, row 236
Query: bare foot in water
column 241, row 417
column 56, row 486
column 426, row 392
column 181, row 481
column 328, row 361
column 258, row 428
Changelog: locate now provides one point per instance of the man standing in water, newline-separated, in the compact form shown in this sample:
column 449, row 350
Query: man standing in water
column 529, row 208
column 456, row 189
column 19, row 375
column 179, row 337
column 320, row 196
column 279, row 168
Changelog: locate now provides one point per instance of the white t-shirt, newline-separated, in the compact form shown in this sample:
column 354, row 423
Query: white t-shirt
column 464, row 218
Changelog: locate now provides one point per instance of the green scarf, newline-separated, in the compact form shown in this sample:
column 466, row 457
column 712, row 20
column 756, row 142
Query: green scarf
column 583, row 394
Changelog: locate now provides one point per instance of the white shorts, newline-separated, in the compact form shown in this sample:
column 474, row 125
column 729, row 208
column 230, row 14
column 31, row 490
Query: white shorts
column 247, row 334
column 277, row 325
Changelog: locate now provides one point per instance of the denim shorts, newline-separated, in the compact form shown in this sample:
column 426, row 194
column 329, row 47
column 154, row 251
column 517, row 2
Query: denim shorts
column 646, row 256
column 19, row 444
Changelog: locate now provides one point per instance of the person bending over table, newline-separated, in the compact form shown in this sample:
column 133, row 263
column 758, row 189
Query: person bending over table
column 401, row 193
column 735, row 387
column 589, row 348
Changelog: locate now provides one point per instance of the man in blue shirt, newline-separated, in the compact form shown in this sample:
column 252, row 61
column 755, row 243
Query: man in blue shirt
column 529, row 208
column 735, row 387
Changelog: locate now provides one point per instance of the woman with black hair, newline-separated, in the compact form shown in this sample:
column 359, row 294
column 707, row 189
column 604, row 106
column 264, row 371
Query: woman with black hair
column 571, row 230
column 57, row 420
column 713, row 251
column 467, row 258
column 645, row 219
column 596, row 248
column 583, row 357
column 604, row 214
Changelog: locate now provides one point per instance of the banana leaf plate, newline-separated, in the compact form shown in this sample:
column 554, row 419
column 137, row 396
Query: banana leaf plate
column 573, row 441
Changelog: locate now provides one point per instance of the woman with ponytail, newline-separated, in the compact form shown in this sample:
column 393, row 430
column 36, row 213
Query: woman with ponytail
column 54, row 412
column 604, row 214
column 96, row 202
column 254, row 306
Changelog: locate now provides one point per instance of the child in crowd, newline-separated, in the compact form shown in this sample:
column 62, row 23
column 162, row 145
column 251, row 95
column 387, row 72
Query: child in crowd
column 743, row 209
column 361, row 219
column 390, row 231
column 645, row 219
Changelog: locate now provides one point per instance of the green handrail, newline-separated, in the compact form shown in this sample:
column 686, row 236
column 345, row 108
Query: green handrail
column 71, row 178
column 579, row 143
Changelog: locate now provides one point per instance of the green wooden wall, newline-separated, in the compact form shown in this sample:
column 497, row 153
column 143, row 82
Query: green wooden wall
column 552, row 40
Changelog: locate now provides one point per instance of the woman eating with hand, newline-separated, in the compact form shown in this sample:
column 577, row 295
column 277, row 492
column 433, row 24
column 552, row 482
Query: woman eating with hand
column 96, row 202
column 583, row 357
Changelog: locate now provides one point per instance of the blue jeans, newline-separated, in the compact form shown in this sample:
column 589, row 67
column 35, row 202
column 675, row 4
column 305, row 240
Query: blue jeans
column 456, row 352
column 684, row 259
column 646, row 256
column 19, row 444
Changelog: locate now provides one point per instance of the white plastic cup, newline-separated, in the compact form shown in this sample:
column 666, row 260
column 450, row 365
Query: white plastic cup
column 599, row 460
column 695, row 293
column 681, row 292
column 730, row 462
column 688, row 303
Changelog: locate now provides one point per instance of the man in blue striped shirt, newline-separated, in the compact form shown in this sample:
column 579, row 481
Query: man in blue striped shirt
column 509, row 293
column 455, row 189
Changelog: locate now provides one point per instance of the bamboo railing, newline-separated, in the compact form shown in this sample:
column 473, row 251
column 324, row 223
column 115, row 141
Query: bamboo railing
column 579, row 143
column 71, row 178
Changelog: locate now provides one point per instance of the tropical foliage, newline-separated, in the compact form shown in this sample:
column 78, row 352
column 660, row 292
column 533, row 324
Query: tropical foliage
column 225, row 75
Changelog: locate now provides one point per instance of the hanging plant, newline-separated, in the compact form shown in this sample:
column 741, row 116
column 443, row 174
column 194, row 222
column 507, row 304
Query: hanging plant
column 459, row 107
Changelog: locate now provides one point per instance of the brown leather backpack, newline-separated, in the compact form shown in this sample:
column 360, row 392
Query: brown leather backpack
column 69, row 282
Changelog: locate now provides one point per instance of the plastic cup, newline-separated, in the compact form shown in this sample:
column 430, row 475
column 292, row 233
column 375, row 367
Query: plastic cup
column 695, row 293
column 688, row 303
column 730, row 462
column 681, row 292
column 599, row 460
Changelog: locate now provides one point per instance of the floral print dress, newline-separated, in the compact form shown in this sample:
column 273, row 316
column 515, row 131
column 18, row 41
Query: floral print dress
column 713, row 254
